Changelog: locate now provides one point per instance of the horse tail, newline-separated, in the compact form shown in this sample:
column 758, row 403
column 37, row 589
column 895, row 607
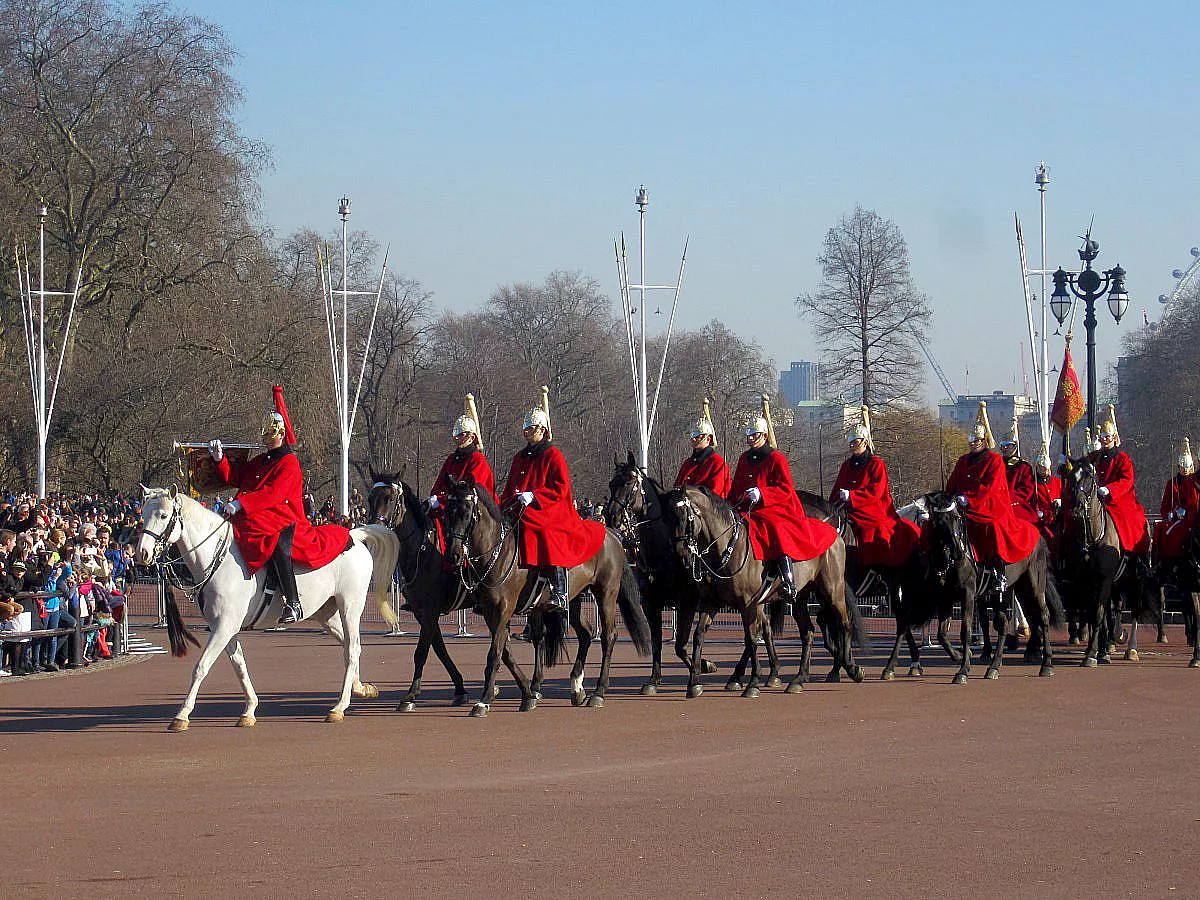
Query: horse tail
column 858, row 627
column 1054, row 603
column 383, row 545
column 177, row 632
column 554, row 642
column 629, row 598
column 778, row 613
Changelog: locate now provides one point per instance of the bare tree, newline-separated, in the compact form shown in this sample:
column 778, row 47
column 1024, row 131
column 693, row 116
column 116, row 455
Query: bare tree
column 866, row 314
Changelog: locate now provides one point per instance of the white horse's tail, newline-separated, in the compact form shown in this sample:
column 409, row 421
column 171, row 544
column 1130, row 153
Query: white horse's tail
column 384, row 546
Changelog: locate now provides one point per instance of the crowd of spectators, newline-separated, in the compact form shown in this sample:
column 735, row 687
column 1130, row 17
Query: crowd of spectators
column 64, row 561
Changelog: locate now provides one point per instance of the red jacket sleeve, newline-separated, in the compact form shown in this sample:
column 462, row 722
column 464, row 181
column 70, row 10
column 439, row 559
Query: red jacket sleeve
column 1120, row 477
column 556, row 484
column 280, row 483
column 479, row 469
column 777, row 484
column 1169, row 499
column 723, row 482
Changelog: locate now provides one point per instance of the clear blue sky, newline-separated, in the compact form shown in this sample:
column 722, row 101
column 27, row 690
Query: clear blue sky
column 492, row 143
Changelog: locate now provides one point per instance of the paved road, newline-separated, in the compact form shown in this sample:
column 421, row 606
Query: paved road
column 1087, row 783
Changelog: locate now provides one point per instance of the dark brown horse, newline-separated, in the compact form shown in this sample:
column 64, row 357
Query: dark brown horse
column 430, row 586
column 714, row 544
column 482, row 541
column 635, row 510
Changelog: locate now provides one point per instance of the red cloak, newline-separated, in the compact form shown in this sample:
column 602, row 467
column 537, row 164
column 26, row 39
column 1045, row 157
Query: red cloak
column 991, row 525
column 884, row 539
column 1047, row 511
column 1171, row 534
column 1022, row 488
column 459, row 465
column 552, row 533
column 270, row 492
column 705, row 468
column 778, row 523
column 1114, row 470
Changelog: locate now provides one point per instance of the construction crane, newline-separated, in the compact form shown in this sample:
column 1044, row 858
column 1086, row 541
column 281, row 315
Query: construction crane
column 946, row 385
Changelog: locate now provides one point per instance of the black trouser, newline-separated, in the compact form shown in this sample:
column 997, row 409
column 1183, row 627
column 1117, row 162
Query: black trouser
column 284, row 568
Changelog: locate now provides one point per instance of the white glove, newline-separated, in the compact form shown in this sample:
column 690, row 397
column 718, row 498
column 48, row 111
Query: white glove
column 231, row 509
column 1180, row 513
column 754, row 495
column 843, row 495
column 1056, row 502
column 526, row 497
column 215, row 450
column 962, row 501
column 1103, row 492
column 1041, row 515
column 434, row 502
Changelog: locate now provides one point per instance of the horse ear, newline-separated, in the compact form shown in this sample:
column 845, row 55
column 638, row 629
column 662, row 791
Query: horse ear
column 174, row 492
column 374, row 475
column 631, row 460
column 616, row 460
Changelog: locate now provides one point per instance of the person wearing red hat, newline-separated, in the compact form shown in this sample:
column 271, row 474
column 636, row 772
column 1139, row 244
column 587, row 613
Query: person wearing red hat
column 268, row 518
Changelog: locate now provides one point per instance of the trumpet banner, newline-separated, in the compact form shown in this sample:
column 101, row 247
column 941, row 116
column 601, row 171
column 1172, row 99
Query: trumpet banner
column 202, row 476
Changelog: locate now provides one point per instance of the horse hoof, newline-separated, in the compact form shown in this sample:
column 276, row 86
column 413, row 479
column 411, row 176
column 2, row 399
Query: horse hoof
column 649, row 689
column 479, row 710
column 1045, row 671
column 595, row 702
column 694, row 691
column 528, row 704
column 1076, row 642
column 916, row 671
column 1104, row 660
column 368, row 691
column 178, row 725
column 1162, row 639
column 537, row 695
column 795, row 687
column 459, row 700
column 496, row 692
column 732, row 686
column 774, row 681
column 708, row 667
column 889, row 675
column 960, row 678
column 1131, row 655
column 406, row 706
column 578, row 698
column 1089, row 662
column 1194, row 664
column 751, row 692
column 333, row 717
column 992, row 675
column 246, row 721
column 857, row 674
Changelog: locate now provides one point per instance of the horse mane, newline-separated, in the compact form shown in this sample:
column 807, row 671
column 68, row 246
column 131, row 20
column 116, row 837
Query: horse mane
column 413, row 506
column 485, row 497
column 809, row 500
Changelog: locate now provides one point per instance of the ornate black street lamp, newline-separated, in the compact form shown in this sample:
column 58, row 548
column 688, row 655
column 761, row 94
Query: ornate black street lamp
column 1089, row 286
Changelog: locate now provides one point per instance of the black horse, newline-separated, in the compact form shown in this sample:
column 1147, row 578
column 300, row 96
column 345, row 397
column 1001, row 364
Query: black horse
column 635, row 510
column 430, row 586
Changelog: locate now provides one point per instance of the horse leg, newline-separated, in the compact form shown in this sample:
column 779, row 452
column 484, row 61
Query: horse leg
column 420, row 654
column 737, row 677
column 351, row 652
column 750, row 622
column 529, row 699
column 332, row 623
column 964, row 666
column 985, row 626
column 222, row 633
column 584, row 636
column 804, row 624
column 1194, row 614
column 1131, row 651
column 1001, row 623
column 537, row 640
column 1047, row 668
column 499, row 643
column 443, row 654
column 1099, row 627
column 773, row 679
column 830, row 639
column 234, row 651
column 889, row 668
column 654, row 616
column 695, row 688
column 607, row 613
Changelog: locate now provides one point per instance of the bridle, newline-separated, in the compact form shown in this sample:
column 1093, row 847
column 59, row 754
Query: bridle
column 175, row 569
column 1085, row 505
column 469, row 569
column 396, row 491
column 700, row 567
column 630, row 516
column 959, row 545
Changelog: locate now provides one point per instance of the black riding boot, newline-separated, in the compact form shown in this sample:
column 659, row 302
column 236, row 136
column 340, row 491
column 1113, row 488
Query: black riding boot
column 285, row 577
column 787, row 587
column 557, row 577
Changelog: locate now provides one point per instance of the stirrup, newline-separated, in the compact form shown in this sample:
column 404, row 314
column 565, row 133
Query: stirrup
column 291, row 613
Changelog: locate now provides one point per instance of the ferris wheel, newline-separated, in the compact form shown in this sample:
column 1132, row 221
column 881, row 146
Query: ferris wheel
column 1184, row 279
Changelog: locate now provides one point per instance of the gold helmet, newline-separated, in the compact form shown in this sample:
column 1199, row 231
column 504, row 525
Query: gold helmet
column 862, row 431
column 982, row 429
column 1187, row 463
column 277, row 423
column 539, row 416
column 704, row 424
column 1043, row 458
column 1108, row 428
column 468, row 422
column 1013, row 438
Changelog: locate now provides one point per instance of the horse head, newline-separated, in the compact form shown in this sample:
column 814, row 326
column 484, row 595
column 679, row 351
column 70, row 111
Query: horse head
column 162, row 523
column 385, row 490
column 472, row 519
column 627, row 498
column 1081, row 496
column 944, row 523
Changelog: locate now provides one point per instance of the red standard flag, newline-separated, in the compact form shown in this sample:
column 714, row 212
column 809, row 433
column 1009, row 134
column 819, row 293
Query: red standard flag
column 1068, row 400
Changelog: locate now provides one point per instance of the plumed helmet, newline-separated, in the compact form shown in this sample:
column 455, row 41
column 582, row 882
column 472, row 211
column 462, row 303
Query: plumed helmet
column 464, row 424
column 1043, row 459
column 1108, row 428
column 277, row 422
column 757, row 425
column 1187, row 464
column 858, row 433
column 702, row 426
column 272, row 426
column 982, row 429
column 536, row 417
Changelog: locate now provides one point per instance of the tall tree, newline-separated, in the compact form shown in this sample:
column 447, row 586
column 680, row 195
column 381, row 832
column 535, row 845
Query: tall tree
column 866, row 314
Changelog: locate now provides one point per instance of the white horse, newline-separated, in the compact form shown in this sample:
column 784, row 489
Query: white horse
column 333, row 595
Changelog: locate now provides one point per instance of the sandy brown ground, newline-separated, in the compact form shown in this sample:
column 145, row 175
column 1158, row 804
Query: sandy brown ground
column 1086, row 783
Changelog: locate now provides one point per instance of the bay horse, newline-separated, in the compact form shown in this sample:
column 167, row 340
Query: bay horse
column 713, row 542
column 635, row 510
column 1101, row 573
column 430, row 585
column 333, row 595
column 482, row 543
